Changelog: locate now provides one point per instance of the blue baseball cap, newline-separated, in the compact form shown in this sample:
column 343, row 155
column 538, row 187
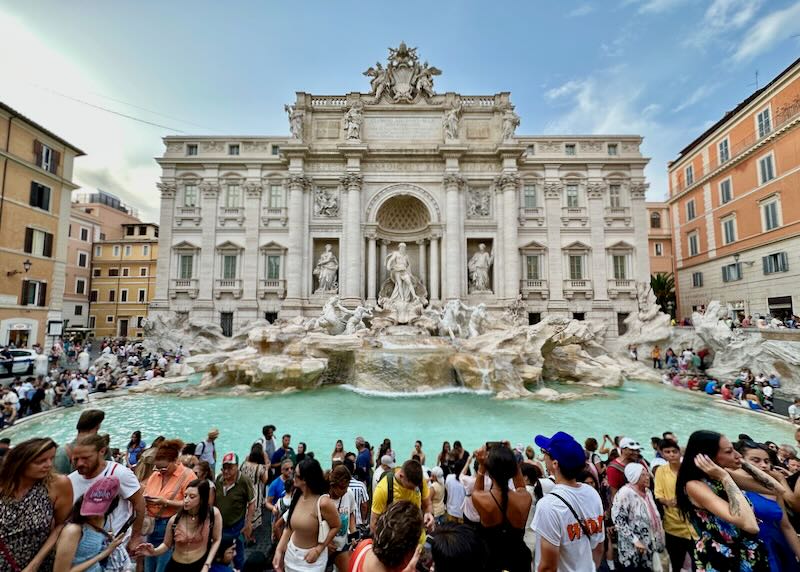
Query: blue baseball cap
column 563, row 447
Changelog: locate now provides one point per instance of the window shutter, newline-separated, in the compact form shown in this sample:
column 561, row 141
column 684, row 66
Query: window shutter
column 34, row 200
column 37, row 153
column 48, row 245
column 55, row 158
column 724, row 273
column 765, row 262
column 42, row 294
column 29, row 240
column 45, row 198
column 24, row 301
column 784, row 262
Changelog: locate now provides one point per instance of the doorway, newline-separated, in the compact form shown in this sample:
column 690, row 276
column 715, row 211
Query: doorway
column 226, row 323
column 122, row 325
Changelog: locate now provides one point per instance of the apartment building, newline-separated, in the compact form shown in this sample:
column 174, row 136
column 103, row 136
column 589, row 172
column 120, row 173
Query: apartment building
column 659, row 238
column 83, row 231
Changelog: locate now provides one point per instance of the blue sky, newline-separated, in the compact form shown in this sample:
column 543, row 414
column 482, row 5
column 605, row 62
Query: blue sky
column 665, row 69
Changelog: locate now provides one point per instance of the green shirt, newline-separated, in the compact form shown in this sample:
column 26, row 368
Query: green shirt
column 232, row 504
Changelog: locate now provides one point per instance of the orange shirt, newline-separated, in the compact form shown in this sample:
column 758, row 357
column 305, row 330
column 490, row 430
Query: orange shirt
column 167, row 489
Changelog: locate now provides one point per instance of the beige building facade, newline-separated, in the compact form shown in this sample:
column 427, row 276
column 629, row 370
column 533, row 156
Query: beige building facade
column 659, row 238
column 36, row 169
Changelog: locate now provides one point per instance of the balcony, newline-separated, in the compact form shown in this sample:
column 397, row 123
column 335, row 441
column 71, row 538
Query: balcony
column 618, row 216
column 187, row 216
column 531, row 216
column 574, row 216
column 232, row 286
column 231, row 216
column 277, row 214
column 270, row 286
column 534, row 287
column 186, row 286
column 581, row 287
column 621, row 286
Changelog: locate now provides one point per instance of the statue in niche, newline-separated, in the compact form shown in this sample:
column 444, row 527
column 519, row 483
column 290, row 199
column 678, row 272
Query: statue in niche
column 402, row 294
column 450, row 122
column 478, row 203
column 355, row 323
column 326, row 203
column 327, row 271
column 510, row 123
column 353, row 120
column 479, row 266
column 295, row 121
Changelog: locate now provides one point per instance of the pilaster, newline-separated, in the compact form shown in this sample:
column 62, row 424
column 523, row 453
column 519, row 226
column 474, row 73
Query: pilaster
column 454, row 237
column 351, row 292
column 205, row 274
column 555, row 261
column 252, row 211
column 509, row 183
column 297, row 184
column 595, row 192
column 640, row 226
column 166, row 220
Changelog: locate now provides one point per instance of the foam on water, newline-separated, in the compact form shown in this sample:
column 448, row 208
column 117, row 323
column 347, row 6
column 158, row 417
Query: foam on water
column 408, row 394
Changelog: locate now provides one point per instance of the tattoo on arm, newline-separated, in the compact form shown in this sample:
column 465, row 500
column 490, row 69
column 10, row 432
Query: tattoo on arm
column 760, row 477
column 733, row 493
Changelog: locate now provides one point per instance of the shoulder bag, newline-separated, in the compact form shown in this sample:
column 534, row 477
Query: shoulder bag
column 324, row 527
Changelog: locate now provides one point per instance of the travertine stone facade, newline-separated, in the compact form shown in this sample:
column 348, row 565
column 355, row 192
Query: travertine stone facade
column 245, row 220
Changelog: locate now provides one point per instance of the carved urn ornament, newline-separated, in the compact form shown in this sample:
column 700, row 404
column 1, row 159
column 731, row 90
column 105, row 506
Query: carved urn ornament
column 404, row 79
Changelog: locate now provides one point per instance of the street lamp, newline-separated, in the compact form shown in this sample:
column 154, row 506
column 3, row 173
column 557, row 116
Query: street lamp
column 26, row 265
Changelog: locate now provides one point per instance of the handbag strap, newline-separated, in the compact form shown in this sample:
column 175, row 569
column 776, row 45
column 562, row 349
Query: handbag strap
column 174, row 494
column 9, row 557
column 575, row 514
column 319, row 510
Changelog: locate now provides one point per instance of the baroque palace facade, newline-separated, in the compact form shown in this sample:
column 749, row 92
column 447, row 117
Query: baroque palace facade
column 267, row 227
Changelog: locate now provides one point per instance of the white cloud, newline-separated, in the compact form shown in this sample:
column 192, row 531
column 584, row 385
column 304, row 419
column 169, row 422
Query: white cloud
column 723, row 17
column 659, row 6
column 563, row 90
column 581, row 10
column 768, row 31
column 696, row 96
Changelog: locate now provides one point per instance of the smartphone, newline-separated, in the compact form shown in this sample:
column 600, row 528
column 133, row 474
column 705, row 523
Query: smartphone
column 126, row 526
column 493, row 444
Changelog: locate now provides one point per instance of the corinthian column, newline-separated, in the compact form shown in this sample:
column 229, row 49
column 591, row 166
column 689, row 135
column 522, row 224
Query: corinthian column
column 167, row 218
column 206, row 274
column 454, row 238
column 371, row 270
column 640, row 222
column 509, row 183
column 553, row 191
column 433, row 294
column 297, row 185
column 351, row 292
column 595, row 192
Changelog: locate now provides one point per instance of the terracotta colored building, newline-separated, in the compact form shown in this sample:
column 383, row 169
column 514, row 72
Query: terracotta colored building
column 659, row 238
column 35, row 187
column 735, row 205
column 83, row 231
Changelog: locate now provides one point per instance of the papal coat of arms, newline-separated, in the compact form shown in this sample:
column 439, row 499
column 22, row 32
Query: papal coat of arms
column 404, row 78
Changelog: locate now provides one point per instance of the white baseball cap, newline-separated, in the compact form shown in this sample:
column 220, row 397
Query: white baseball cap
column 628, row 443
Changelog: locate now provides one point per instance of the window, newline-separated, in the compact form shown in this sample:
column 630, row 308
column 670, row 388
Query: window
column 142, row 295
column 98, row 250
column 532, row 267
column 78, row 310
column 185, row 266
column 139, row 321
column 572, row 195
column 123, row 295
column 529, row 196
column 142, row 230
column 38, row 242
column 112, row 295
column 233, row 196
column 93, row 296
column 84, row 234
column 613, row 196
column 569, row 148
column 771, row 214
column 233, row 149
column 80, row 286
column 766, row 169
column 729, row 230
column 143, row 271
column 689, row 175
column 622, row 327
column 129, row 230
column 725, row 192
column 732, row 272
column 724, row 151
column 273, row 267
column 778, row 262
column 613, row 150
column 764, row 122
column 116, row 250
column 690, row 212
column 580, row 316
column 191, row 149
column 145, row 250
column 694, row 244
column 226, row 323
column 271, row 317
column 96, row 272
column 190, row 195
column 655, row 220
column 45, row 157
column 620, row 267
column 110, row 319
column 126, row 271
column 92, row 321
column 83, row 259
column 34, row 293
column 576, row 267
column 275, row 196
column 40, row 196
column 658, row 249
column 127, row 250
column 228, row 266
column 276, row 150
column 113, row 272
column 530, row 150
column 697, row 279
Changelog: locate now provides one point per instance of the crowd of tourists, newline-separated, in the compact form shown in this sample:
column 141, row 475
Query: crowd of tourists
column 711, row 503
column 72, row 379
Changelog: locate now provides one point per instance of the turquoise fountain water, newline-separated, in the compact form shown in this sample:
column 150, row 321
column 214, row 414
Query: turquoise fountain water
column 321, row 417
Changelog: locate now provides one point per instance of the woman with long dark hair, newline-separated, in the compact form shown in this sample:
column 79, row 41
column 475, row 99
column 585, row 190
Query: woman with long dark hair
column 135, row 448
column 709, row 496
column 503, row 512
column 256, row 469
column 395, row 545
column 34, row 504
column 193, row 533
column 301, row 549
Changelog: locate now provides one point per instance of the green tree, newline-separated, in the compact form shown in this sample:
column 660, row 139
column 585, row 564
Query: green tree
column 663, row 286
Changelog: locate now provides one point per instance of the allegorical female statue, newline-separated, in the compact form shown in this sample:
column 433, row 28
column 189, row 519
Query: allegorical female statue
column 479, row 266
column 327, row 271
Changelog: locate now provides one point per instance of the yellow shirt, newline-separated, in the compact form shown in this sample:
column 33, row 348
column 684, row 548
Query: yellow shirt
column 381, row 494
column 674, row 522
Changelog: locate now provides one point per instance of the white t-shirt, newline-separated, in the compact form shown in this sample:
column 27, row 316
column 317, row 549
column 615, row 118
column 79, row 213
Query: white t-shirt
column 768, row 391
column 347, row 510
column 554, row 522
column 794, row 411
column 128, row 485
column 455, row 496
column 376, row 476
column 81, row 394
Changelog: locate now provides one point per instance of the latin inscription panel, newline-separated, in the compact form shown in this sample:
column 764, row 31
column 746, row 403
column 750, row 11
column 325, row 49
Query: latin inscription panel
column 402, row 128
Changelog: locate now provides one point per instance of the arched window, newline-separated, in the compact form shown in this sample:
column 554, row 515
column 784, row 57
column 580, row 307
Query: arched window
column 655, row 220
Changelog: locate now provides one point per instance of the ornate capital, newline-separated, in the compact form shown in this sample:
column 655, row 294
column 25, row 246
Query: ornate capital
column 639, row 190
column 210, row 189
column 167, row 190
column 453, row 180
column 596, row 190
column 253, row 189
column 553, row 190
column 298, row 182
column 352, row 181
column 507, row 182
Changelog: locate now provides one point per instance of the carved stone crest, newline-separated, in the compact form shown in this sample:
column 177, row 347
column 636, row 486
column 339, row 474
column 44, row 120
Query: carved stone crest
column 404, row 79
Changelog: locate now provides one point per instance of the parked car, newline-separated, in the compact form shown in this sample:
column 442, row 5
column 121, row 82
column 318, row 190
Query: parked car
column 21, row 363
